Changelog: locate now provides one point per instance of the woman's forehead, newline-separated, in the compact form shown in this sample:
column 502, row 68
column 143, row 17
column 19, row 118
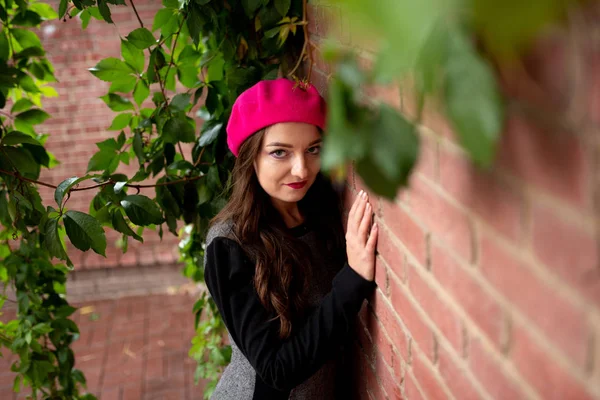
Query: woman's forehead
column 294, row 133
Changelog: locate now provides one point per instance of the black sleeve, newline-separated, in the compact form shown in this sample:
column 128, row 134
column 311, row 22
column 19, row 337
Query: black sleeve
column 281, row 364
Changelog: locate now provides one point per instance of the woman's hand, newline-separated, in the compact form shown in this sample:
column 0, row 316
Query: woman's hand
column 360, row 238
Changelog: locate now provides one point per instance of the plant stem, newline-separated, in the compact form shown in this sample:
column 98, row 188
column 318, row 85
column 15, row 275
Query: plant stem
column 136, row 13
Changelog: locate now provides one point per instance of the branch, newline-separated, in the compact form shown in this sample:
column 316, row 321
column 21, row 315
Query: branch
column 22, row 178
column 307, row 41
column 190, row 179
column 136, row 13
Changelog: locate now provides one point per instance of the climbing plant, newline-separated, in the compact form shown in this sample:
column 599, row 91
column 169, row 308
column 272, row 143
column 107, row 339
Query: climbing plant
column 174, row 83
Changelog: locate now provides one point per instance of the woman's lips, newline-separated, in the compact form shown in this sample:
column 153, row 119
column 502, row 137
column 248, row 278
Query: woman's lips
column 296, row 185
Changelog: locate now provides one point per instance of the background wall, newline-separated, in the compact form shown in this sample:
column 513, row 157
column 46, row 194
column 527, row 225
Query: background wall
column 489, row 282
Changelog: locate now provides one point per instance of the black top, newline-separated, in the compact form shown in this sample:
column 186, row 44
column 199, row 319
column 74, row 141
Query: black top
column 280, row 364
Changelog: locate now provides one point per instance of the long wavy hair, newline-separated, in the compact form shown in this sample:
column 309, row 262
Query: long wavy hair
column 282, row 262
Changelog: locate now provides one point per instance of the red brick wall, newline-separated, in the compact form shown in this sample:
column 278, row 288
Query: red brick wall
column 80, row 119
column 489, row 282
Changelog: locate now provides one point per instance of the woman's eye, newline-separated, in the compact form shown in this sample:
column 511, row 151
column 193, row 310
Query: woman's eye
column 278, row 153
column 314, row 150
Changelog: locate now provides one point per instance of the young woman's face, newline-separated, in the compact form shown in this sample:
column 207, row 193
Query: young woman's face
column 289, row 160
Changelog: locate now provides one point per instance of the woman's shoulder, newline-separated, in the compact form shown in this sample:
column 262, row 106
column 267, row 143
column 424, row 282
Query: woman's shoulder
column 220, row 229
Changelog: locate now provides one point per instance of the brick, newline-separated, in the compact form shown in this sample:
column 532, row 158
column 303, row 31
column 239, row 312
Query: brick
column 440, row 313
column 390, row 253
column 391, row 323
column 379, row 338
column 489, row 372
column 560, row 320
column 427, row 163
column 455, row 377
column 497, row 203
column 443, row 219
column 417, row 328
column 410, row 388
column 429, row 382
column 552, row 161
column 472, row 298
column 386, row 377
column 550, row 380
column 567, row 250
column 381, row 275
column 406, row 230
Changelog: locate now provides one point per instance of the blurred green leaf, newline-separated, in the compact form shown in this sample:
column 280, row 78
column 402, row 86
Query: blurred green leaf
column 141, row 92
column 474, row 105
column 16, row 137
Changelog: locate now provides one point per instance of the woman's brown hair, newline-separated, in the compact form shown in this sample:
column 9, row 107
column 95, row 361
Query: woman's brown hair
column 282, row 264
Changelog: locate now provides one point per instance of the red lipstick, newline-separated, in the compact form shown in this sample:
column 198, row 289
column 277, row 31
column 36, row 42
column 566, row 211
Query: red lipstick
column 297, row 185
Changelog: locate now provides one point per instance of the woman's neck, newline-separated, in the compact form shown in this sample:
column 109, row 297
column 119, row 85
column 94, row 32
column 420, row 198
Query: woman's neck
column 289, row 212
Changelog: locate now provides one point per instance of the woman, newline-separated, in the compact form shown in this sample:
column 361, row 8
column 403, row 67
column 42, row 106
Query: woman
column 275, row 263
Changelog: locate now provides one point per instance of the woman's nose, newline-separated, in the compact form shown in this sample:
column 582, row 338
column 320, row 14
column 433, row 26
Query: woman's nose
column 299, row 169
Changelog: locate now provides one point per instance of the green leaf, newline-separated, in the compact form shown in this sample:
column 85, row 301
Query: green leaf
column 120, row 121
column 250, row 7
column 85, row 232
column 124, row 85
column 21, row 105
column 116, row 102
column 474, row 105
column 102, row 160
column 26, row 38
column 33, row 117
column 52, row 240
column 195, row 22
column 62, row 8
column 64, row 311
column 180, row 102
column 133, row 56
column 178, row 129
column 108, row 144
column 28, row 18
column 141, row 210
column 141, row 38
column 215, row 69
column 121, row 225
column 43, row 10
column 21, row 159
column 138, row 147
column 110, row 70
column 141, row 92
column 4, row 46
column 104, row 10
column 188, row 75
column 283, row 6
column 16, row 137
column 210, row 132
column 65, row 186
column 162, row 17
column 395, row 145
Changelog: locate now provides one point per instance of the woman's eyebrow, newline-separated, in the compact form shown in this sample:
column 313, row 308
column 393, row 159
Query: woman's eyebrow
column 279, row 144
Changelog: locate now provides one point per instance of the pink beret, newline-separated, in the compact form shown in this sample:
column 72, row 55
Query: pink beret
column 270, row 102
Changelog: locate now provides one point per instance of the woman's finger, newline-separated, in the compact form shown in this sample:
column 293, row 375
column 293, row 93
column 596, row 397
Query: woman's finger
column 365, row 222
column 352, row 211
column 372, row 242
column 354, row 223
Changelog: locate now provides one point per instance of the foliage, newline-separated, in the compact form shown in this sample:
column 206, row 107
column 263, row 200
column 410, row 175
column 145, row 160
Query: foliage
column 174, row 83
